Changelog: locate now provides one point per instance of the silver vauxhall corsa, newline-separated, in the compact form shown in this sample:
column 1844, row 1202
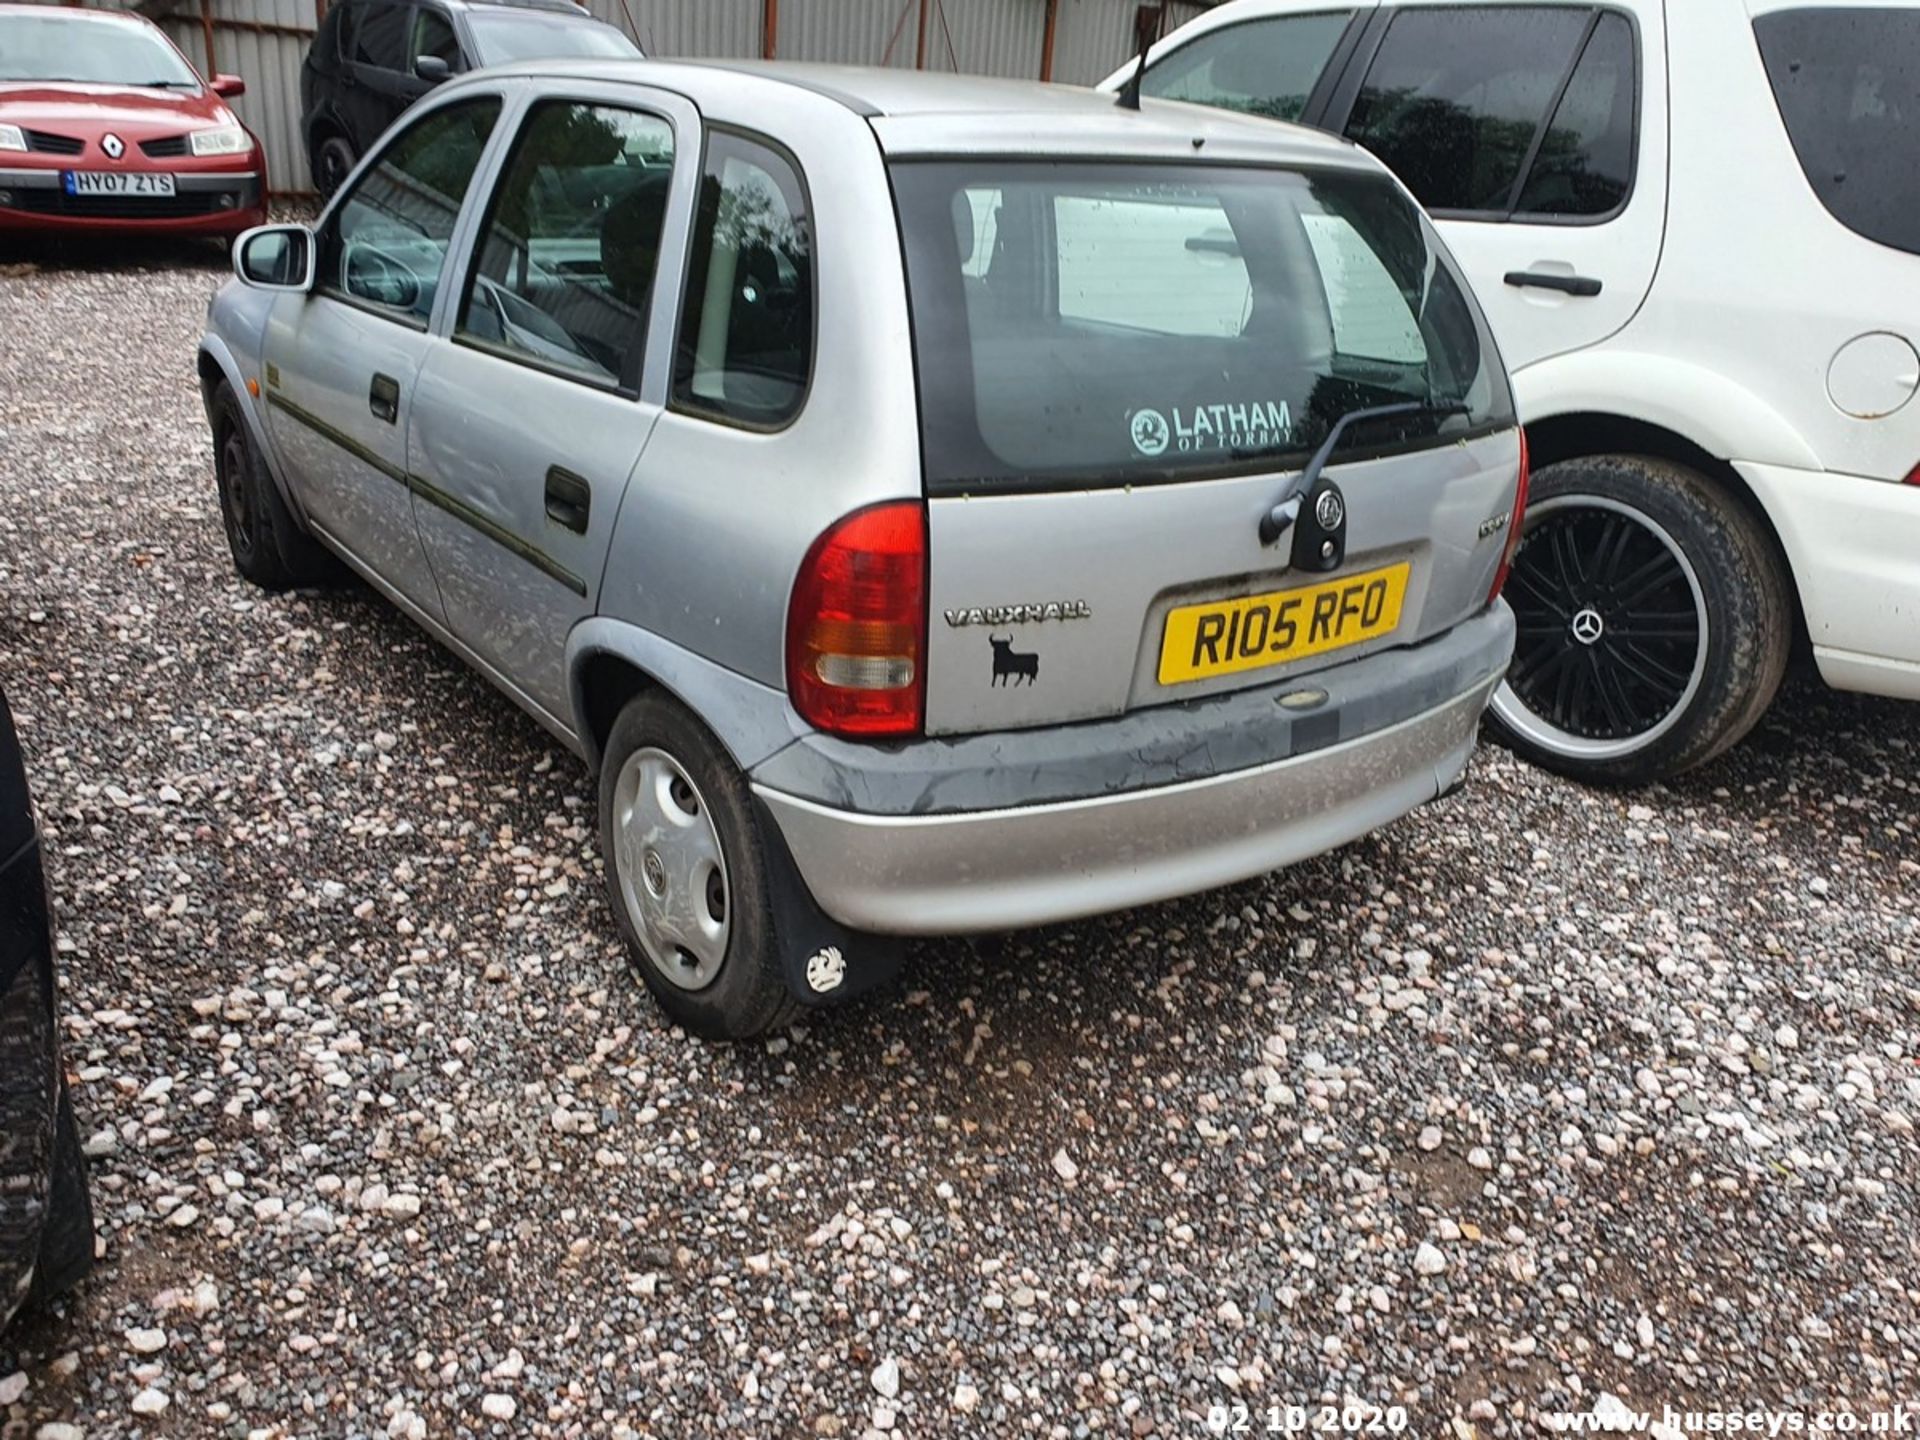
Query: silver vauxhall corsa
column 928, row 504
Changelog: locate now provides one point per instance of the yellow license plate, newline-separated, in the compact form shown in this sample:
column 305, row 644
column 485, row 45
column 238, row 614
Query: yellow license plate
column 1225, row 637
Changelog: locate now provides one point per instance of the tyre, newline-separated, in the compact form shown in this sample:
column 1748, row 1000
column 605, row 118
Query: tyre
column 332, row 161
column 1655, row 620
column 66, row 1241
column 687, row 874
column 269, row 546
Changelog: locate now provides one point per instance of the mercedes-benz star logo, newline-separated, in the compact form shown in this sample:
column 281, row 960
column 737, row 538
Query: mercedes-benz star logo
column 113, row 145
column 1588, row 627
column 1329, row 511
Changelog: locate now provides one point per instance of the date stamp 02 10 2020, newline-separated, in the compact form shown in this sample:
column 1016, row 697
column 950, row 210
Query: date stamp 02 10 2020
column 1348, row 1419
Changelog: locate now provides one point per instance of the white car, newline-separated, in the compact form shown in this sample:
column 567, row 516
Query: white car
column 1695, row 228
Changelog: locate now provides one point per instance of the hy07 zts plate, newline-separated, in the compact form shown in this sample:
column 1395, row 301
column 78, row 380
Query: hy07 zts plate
column 1225, row 637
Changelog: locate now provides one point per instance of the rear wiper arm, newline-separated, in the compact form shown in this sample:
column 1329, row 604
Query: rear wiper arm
column 1286, row 509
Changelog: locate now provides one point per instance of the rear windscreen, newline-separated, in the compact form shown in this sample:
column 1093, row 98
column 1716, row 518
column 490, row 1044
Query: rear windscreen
column 1848, row 84
column 1087, row 324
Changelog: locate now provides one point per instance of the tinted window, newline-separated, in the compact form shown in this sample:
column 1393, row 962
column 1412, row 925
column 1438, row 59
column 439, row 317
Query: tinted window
column 379, row 35
column 568, row 255
column 1455, row 97
column 1848, row 83
column 1585, row 164
column 745, row 349
column 349, row 17
column 433, row 35
column 1265, row 67
column 503, row 35
column 385, row 243
column 1143, row 322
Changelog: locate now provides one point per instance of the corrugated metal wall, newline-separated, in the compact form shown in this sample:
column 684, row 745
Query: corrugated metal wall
column 266, row 56
column 264, row 42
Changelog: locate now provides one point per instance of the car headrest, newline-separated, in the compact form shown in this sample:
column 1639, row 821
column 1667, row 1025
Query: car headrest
column 630, row 240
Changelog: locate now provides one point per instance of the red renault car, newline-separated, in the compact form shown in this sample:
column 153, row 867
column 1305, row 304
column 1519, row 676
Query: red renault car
column 104, row 125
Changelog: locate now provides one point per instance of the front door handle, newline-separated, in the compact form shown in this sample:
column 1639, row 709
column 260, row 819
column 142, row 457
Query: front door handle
column 569, row 500
column 383, row 398
column 1585, row 286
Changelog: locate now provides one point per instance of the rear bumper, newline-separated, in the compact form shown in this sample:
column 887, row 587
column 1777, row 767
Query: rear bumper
column 204, row 203
column 1011, row 865
column 1854, row 546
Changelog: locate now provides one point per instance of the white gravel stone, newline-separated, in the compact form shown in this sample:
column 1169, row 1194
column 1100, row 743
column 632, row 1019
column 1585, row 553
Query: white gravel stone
column 498, row 1407
column 1427, row 1260
column 886, row 1378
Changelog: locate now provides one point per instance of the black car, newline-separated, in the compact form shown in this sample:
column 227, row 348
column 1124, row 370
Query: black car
column 46, row 1219
column 371, row 59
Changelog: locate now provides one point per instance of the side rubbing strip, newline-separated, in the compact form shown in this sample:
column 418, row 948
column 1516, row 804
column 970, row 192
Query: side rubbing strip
column 426, row 490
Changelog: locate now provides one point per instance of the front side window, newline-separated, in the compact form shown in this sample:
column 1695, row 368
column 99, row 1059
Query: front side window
column 55, row 47
column 380, row 36
column 566, row 262
column 1848, row 85
column 1263, row 67
column 386, row 242
column 432, row 35
column 1136, row 323
column 745, row 349
column 1456, row 96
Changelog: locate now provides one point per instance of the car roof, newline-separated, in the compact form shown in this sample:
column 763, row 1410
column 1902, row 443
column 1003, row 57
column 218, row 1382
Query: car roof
column 564, row 8
column 79, row 12
column 918, row 112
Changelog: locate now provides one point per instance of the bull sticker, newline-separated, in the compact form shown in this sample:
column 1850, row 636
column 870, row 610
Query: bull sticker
column 1011, row 666
column 1253, row 425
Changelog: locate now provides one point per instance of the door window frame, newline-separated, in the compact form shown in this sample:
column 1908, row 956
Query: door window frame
column 636, row 101
column 1343, row 95
column 483, row 171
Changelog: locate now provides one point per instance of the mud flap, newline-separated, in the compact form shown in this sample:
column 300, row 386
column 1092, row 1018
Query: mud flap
column 824, row 962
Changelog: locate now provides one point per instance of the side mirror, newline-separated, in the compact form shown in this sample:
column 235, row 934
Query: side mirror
column 228, row 86
column 432, row 69
column 275, row 257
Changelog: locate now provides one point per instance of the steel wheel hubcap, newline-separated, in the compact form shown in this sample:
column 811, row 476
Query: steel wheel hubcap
column 1612, row 630
column 672, row 872
column 234, row 490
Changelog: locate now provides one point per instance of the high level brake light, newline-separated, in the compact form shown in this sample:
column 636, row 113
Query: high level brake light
column 1514, row 523
column 857, row 625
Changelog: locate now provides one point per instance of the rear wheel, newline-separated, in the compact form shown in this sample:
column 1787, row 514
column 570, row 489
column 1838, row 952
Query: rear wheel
column 269, row 546
column 1654, row 622
column 686, row 874
column 332, row 161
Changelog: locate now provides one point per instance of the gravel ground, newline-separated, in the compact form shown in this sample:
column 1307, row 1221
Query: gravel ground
column 1541, row 1094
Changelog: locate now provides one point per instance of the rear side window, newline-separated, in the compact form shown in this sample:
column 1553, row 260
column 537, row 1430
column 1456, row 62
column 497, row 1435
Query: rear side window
column 1485, row 111
column 1263, row 67
column 567, row 259
column 745, row 349
column 380, row 35
column 1848, row 85
column 1115, row 323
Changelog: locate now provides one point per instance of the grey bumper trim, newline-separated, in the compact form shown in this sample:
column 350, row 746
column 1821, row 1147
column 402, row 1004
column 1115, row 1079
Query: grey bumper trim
column 1003, row 869
column 244, row 182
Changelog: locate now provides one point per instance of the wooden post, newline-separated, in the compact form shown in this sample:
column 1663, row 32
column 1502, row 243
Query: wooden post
column 920, row 51
column 1046, row 42
column 206, row 32
column 769, row 28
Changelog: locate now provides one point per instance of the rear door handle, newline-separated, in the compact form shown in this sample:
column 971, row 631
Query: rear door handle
column 383, row 398
column 569, row 500
column 1584, row 286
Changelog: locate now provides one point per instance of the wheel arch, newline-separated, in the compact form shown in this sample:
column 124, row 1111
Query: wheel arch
column 610, row 661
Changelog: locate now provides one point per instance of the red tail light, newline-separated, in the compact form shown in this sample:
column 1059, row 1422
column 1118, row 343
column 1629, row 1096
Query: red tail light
column 1914, row 478
column 1514, row 522
column 857, row 626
